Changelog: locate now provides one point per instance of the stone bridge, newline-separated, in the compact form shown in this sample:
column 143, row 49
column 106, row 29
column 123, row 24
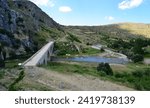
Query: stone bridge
column 42, row 56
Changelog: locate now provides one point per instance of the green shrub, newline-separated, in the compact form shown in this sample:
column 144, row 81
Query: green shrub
column 137, row 58
column 147, row 72
column 102, row 73
column 138, row 74
column 102, row 50
column 73, row 38
column 5, row 32
column 138, row 86
column 105, row 67
column 139, row 79
column 12, row 55
column 2, row 63
column 90, row 51
column 63, row 48
column 120, row 75
column 12, row 87
column 2, row 72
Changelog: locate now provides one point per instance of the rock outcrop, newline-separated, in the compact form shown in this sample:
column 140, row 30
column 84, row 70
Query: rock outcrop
column 20, row 22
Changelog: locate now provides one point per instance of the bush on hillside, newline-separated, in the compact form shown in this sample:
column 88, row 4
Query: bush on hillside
column 2, row 63
column 73, row 38
column 137, row 58
column 105, row 67
column 12, row 87
column 63, row 48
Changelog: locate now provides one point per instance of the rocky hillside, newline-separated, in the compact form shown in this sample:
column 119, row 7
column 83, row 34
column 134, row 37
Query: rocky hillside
column 24, row 28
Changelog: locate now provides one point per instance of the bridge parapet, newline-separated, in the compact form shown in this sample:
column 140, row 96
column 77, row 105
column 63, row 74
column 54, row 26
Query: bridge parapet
column 42, row 56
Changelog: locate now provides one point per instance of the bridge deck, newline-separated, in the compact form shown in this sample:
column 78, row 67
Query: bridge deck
column 35, row 59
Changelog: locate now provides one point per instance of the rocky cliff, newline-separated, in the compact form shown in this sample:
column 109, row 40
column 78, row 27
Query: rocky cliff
column 24, row 27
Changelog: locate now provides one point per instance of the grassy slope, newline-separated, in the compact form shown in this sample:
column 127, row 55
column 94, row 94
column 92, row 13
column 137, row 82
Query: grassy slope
column 133, row 28
column 148, row 50
column 93, row 34
column 131, row 75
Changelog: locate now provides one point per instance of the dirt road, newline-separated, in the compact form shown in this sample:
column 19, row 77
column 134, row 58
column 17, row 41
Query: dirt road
column 147, row 60
column 109, row 53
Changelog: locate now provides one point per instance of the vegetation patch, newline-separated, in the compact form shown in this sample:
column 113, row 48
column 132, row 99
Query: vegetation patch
column 134, row 49
column 46, row 34
column 63, row 48
column 90, row 51
column 137, row 78
column 105, row 69
column 73, row 38
column 2, row 73
column 5, row 32
column 13, row 86
column 147, row 55
column 71, row 68
column 147, row 52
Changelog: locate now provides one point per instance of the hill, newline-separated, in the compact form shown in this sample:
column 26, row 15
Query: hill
column 137, row 28
column 24, row 27
column 121, row 30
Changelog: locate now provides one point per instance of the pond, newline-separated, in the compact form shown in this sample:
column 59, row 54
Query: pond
column 94, row 59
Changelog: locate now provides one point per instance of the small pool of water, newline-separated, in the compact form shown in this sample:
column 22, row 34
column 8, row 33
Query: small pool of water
column 94, row 59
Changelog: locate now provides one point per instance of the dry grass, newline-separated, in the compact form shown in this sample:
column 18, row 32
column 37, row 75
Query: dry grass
column 137, row 29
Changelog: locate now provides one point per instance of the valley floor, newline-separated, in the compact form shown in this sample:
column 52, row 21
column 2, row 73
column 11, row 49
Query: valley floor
column 51, row 80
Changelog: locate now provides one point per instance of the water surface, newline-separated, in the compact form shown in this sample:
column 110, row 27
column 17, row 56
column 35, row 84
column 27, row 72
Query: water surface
column 94, row 59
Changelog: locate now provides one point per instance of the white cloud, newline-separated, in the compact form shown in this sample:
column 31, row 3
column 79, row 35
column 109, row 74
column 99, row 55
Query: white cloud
column 109, row 18
column 65, row 9
column 49, row 3
column 128, row 4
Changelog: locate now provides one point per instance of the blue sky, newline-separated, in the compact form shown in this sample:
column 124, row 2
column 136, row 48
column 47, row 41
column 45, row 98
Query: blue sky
column 96, row 12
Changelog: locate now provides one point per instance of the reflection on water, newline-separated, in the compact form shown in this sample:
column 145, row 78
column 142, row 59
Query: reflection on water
column 95, row 59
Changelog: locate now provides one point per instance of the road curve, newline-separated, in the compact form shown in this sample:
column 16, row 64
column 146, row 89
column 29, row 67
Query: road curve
column 119, row 55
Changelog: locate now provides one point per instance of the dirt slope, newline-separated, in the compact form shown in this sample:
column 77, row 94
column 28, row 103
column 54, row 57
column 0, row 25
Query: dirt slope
column 60, row 81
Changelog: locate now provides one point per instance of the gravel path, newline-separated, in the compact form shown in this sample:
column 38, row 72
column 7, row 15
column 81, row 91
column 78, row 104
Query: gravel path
column 71, row 82
column 109, row 53
column 147, row 60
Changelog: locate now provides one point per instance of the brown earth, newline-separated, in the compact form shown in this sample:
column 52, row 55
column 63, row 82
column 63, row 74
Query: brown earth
column 66, row 82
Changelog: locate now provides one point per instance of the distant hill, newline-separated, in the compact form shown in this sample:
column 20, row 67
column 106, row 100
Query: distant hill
column 127, row 31
column 130, row 30
column 136, row 28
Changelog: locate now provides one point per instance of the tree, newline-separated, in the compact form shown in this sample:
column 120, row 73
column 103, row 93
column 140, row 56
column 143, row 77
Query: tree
column 138, row 49
column 2, row 63
column 4, row 54
column 105, row 67
column 137, row 58
column 102, row 50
